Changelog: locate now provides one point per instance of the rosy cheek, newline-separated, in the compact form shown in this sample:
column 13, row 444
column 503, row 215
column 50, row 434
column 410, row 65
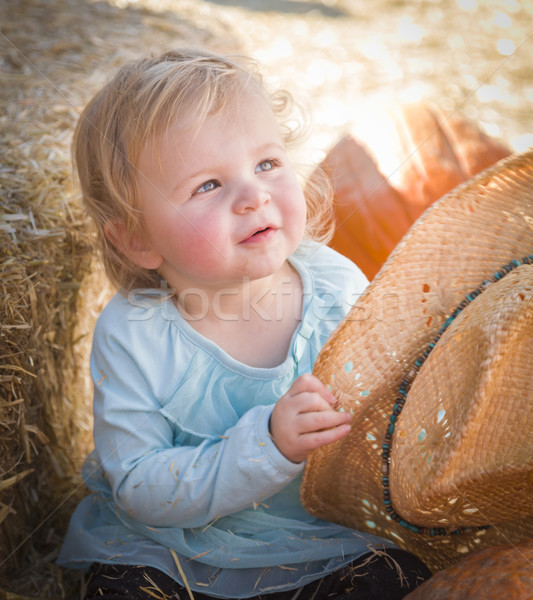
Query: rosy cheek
column 201, row 244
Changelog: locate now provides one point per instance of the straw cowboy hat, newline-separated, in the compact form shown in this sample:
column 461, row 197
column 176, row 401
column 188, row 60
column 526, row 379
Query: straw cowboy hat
column 435, row 362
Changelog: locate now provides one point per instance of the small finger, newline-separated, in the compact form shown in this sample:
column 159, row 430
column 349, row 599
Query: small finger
column 319, row 420
column 310, row 383
column 321, row 438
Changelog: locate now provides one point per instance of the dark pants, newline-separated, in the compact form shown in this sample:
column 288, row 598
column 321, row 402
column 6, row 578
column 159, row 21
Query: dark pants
column 371, row 577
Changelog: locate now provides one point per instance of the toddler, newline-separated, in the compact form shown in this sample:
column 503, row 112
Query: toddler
column 205, row 407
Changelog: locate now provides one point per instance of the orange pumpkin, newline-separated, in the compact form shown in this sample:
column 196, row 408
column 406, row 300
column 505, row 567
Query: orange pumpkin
column 433, row 154
column 437, row 153
column 490, row 574
column 370, row 215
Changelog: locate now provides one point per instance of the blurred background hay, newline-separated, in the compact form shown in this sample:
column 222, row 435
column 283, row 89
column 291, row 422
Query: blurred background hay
column 342, row 58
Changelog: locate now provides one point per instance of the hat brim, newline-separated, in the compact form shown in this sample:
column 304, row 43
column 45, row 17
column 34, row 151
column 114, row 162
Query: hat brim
column 458, row 242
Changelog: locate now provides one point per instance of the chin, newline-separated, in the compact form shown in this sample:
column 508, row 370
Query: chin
column 261, row 271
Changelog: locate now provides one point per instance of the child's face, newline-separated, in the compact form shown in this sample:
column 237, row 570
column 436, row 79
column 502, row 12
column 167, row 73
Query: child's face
column 221, row 203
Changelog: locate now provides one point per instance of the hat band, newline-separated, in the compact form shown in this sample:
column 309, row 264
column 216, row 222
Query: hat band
column 402, row 396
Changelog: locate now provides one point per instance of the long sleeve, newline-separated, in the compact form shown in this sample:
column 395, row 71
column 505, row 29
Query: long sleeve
column 161, row 484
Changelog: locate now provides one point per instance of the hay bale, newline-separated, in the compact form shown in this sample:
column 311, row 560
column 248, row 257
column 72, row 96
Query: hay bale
column 44, row 406
column 54, row 55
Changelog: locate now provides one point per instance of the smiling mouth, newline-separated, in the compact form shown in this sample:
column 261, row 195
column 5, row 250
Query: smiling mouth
column 260, row 231
column 260, row 235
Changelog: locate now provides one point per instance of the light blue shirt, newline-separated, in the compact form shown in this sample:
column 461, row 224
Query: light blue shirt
column 183, row 459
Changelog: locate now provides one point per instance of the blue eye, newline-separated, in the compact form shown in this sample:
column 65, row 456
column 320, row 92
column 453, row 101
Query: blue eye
column 208, row 186
column 266, row 165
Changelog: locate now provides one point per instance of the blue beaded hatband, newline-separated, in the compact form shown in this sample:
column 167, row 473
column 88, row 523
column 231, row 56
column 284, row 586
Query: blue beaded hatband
column 402, row 396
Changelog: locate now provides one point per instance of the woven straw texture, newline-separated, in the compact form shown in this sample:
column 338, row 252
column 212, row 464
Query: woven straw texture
column 462, row 449
column 467, row 462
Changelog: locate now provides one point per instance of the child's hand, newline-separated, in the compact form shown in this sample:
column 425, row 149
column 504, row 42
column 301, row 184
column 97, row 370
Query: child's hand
column 304, row 419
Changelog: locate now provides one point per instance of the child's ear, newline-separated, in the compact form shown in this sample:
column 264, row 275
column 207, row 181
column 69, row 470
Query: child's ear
column 135, row 247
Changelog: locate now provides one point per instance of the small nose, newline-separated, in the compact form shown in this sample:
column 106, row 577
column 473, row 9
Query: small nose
column 251, row 196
